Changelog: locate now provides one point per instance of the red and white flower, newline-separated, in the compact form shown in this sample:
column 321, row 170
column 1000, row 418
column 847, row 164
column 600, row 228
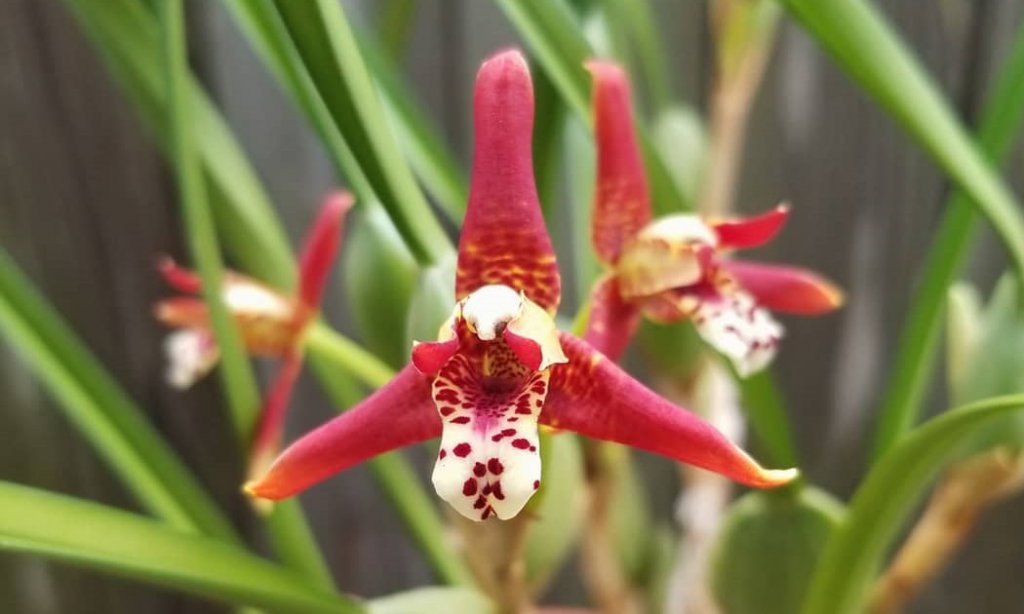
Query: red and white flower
column 271, row 323
column 679, row 267
column 499, row 367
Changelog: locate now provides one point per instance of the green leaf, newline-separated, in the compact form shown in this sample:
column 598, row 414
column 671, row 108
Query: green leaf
column 433, row 600
column 885, row 500
column 680, row 136
column 637, row 23
column 769, row 545
column 429, row 154
column 127, row 36
column 321, row 33
column 917, row 348
column 99, row 537
column 101, row 410
column 766, row 412
column 556, row 40
column 235, row 372
column 269, row 37
column 379, row 274
column 558, row 507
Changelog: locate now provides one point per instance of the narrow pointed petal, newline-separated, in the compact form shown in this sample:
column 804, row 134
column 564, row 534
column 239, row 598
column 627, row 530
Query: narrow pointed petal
column 737, row 327
column 612, row 321
column 179, row 278
column 266, row 442
column 182, row 312
column 399, row 414
column 504, row 240
column 489, row 461
column 621, row 197
column 784, row 288
column 191, row 354
column 321, row 247
column 593, row 397
column 753, row 231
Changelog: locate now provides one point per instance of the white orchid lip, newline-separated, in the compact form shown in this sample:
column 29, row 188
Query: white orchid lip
column 489, row 310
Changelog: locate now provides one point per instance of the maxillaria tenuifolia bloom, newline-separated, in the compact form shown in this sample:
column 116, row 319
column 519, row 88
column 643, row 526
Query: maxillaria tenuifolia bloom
column 499, row 367
column 271, row 323
column 678, row 267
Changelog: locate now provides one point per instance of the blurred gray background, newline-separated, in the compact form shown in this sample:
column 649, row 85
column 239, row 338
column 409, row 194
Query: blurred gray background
column 86, row 205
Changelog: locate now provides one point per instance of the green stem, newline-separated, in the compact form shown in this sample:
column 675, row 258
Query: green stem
column 236, row 375
column 915, row 359
column 330, row 345
column 287, row 527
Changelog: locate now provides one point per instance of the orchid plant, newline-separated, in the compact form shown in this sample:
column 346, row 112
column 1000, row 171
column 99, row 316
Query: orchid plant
column 532, row 417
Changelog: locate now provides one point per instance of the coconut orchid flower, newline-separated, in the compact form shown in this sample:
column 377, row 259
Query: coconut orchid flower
column 499, row 367
column 677, row 268
column 271, row 323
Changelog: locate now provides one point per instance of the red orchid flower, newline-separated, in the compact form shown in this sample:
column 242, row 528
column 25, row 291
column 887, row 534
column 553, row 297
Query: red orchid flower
column 271, row 323
column 677, row 268
column 500, row 367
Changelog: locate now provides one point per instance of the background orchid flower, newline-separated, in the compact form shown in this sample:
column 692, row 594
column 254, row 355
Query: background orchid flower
column 678, row 267
column 271, row 323
column 499, row 367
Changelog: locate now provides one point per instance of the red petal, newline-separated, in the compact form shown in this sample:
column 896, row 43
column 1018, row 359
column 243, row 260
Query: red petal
column 504, row 240
column 526, row 350
column 399, row 414
column 321, row 247
column 592, row 396
column 181, row 279
column 753, row 231
column 428, row 357
column 183, row 312
column 621, row 197
column 267, row 439
column 612, row 321
column 784, row 288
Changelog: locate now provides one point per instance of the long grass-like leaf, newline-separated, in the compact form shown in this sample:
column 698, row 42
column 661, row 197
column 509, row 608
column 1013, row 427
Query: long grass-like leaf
column 127, row 37
column 95, row 536
column 887, row 497
column 236, row 374
column 914, row 364
column 321, row 33
column 867, row 48
column 286, row 525
column 101, row 410
column 430, row 156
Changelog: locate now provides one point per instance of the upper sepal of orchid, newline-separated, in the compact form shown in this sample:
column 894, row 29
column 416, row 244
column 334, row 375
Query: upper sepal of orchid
column 747, row 233
column 672, row 252
column 504, row 239
column 321, row 247
column 621, row 194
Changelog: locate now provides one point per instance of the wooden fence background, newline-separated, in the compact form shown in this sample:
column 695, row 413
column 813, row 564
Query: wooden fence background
column 86, row 204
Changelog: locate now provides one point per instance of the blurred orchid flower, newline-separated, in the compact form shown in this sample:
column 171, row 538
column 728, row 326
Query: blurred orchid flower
column 500, row 367
column 271, row 323
column 677, row 267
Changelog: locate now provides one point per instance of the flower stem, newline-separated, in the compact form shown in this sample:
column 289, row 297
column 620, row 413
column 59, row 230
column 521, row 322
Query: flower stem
column 323, row 341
